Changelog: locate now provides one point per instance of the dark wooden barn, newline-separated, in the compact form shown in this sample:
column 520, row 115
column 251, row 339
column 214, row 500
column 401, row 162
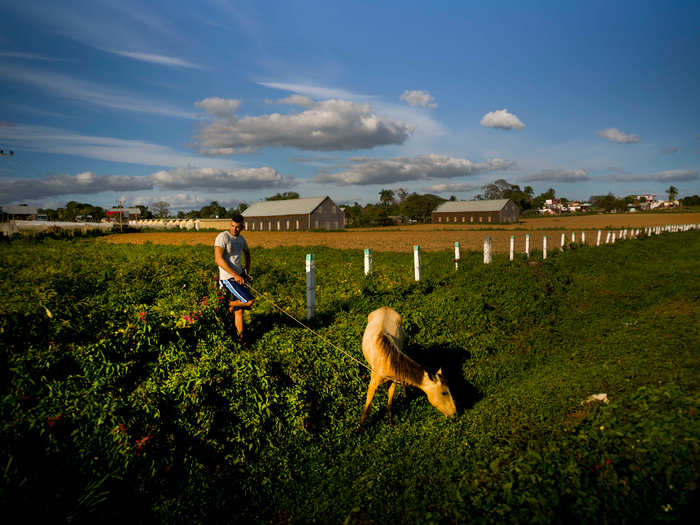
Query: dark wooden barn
column 476, row 212
column 314, row 213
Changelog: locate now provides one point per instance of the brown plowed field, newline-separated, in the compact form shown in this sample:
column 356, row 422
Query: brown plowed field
column 433, row 237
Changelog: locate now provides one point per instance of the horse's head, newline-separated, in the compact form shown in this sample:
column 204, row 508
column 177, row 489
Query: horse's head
column 435, row 387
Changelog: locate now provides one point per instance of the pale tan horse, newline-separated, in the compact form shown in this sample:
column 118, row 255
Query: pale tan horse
column 382, row 344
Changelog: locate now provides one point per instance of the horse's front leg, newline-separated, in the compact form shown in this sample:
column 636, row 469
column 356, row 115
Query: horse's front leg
column 390, row 396
column 374, row 382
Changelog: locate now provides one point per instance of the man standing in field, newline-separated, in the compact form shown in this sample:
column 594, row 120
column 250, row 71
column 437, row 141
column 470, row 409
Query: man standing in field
column 229, row 246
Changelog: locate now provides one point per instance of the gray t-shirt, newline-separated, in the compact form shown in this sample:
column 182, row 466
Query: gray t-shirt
column 233, row 249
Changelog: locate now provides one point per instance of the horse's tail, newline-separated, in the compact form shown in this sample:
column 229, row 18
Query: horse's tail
column 403, row 368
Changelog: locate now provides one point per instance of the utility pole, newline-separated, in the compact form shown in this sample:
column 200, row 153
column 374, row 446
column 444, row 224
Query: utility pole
column 121, row 215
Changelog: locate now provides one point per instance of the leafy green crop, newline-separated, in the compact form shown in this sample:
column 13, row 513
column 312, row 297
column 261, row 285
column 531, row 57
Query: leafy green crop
column 125, row 393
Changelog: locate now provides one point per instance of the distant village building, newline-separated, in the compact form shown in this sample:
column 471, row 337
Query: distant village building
column 476, row 212
column 126, row 213
column 21, row 212
column 294, row 214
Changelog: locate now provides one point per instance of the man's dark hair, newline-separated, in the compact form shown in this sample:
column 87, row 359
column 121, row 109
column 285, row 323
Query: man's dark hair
column 237, row 217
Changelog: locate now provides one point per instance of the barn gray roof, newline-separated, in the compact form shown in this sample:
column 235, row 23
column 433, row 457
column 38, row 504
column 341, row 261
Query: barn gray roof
column 283, row 207
column 466, row 206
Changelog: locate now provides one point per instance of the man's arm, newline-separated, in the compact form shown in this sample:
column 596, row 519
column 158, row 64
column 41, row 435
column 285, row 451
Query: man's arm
column 221, row 262
column 246, row 261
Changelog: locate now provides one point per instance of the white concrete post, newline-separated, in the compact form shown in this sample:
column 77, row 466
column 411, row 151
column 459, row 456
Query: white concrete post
column 512, row 246
column 416, row 262
column 563, row 241
column 613, row 238
column 310, row 286
column 607, row 238
column 583, row 238
column 368, row 261
column 573, row 237
column 456, row 255
column 544, row 247
column 527, row 245
column 487, row 250
column 597, row 242
column 197, row 224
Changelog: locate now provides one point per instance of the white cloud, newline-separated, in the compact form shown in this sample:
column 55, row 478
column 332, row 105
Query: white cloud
column 221, row 107
column 294, row 100
column 557, row 176
column 326, row 126
column 87, row 92
column 15, row 189
column 659, row 176
column 152, row 58
column 387, row 171
column 419, row 99
column 416, row 119
column 501, row 119
column 670, row 150
column 210, row 178
column 618, row 136
column 459, row 187
column 12, row 190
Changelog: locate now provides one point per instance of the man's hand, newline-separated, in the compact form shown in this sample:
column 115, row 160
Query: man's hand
column 238, row 278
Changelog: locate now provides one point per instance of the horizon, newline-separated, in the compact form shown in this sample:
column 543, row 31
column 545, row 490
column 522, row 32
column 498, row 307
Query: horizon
column 216, row 101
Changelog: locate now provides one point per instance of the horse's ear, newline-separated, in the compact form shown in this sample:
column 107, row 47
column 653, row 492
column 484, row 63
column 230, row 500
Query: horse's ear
column 439, row 372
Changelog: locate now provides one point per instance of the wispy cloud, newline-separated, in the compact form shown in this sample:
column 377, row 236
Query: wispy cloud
column 152, row 58
column 30, row 56
column 52, row 140
column 659, row 176
column 460, row 187
column 557, row 176
column 89, row 93
column 615, row 135
column 387, row 171
column 501, row 119
column 670, row 150
column 316, row 92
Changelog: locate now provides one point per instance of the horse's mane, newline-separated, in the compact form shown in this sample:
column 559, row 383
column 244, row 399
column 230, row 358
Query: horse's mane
column 403, row 368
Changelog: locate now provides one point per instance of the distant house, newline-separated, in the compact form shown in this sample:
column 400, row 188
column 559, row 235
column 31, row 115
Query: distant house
column 294, row 214
column 18, row 213
column 476, row 212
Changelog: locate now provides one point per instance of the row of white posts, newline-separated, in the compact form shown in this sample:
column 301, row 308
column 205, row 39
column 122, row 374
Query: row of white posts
column 610, row 238
column 171, row 224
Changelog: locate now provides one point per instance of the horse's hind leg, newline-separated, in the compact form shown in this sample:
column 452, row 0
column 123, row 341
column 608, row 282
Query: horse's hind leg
column 373, row 384
column 390, row 396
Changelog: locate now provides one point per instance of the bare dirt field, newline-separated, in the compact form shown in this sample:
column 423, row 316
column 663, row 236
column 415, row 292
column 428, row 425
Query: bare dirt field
column 433, row 237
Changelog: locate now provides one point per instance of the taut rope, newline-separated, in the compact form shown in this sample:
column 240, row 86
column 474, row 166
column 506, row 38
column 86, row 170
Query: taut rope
column 264, row 296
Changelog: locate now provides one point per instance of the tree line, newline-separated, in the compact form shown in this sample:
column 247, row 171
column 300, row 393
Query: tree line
column 393, row 205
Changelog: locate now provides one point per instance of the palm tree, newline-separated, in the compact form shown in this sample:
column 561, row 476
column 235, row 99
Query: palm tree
column 672, row 192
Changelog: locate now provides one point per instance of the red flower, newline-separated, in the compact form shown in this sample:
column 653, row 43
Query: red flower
column 141, row 443
column 142, row 315
column 52, row 420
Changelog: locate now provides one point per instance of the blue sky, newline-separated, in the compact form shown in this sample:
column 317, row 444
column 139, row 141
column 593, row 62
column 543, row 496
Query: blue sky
column 190, row 102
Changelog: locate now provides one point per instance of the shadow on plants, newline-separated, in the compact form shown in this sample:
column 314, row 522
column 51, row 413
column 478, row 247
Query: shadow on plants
column 450, row 359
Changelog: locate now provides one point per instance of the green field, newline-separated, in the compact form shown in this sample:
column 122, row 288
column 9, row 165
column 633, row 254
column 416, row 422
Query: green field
column 125, row 395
